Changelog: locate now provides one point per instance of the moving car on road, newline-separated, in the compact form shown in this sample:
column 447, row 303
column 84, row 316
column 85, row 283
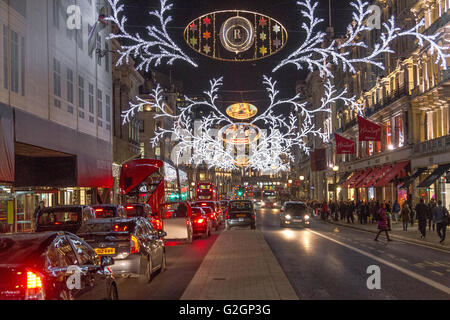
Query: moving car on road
column 201, row 222
column 37, row 266
column 143, row 210
column 240, row 213
column 177, row 221
column 63, row 218
column 109, row 211
column 137, row 248
column 216, row 215
column 295, row 213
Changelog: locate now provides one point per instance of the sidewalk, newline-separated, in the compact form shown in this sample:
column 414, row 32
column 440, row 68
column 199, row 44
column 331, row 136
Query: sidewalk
column 240, row 266
column 412, row 235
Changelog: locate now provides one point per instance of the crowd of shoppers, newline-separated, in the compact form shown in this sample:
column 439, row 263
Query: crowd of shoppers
column 431, row 214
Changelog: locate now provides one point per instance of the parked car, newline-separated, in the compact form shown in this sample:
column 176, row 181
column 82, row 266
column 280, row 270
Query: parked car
column 137, row 248
column 240, row 213
column 63, row 218
column 177, row 221
column 109, row 211
column 216, row 215
column 37, row 266
column 201, row 221
column 143, row 210
column 295, row 213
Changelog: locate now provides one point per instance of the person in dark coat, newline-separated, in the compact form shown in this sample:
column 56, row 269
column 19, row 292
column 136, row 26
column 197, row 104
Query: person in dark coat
column 422, row 215
column 342, row 210
column 350, row 210
column 431, row 223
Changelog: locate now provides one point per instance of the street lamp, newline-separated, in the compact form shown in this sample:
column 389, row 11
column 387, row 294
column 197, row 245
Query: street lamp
column 335, row 170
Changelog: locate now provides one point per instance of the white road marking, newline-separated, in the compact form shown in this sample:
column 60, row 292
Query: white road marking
column 412, row 274
column 438, row 273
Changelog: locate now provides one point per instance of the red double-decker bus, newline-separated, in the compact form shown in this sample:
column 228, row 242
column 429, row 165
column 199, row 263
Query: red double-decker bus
column 206, row 191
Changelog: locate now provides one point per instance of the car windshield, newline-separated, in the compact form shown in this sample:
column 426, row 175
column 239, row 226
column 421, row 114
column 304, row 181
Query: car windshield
column 295, row 207
column 204, row 210
column 104, row 212
column 175, row 210
column 58, row 217
column 107, row 225
column 241, row 205
column 134, row 211
column 204, row 204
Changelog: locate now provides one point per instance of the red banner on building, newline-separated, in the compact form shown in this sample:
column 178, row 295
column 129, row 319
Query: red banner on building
column 344, row 145
column 368, row 131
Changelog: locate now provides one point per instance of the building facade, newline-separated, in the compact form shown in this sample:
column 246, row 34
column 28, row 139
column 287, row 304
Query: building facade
column 410, row 101
column 55, row 109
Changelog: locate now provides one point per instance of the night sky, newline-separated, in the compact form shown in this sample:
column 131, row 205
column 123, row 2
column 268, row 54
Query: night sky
column 239, row 77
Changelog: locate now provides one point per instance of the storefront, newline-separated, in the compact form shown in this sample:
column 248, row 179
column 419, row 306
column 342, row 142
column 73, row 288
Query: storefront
column 6, row 209
column 434, row 184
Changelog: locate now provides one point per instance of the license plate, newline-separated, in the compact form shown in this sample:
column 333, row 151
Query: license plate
column 297, row 220
column 241, row 219
column 105, row 250
column 240, row 215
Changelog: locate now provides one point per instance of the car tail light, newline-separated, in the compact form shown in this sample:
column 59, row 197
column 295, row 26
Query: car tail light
column 157, row 223
column 118, row 228
column 199, row 221
column 98, row 210
column 212, row 215
column 35, row 288
column 134, row 244
column 130, row 207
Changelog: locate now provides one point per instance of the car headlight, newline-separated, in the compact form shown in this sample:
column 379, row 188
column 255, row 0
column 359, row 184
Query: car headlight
column 306, row 217
column 288, row 217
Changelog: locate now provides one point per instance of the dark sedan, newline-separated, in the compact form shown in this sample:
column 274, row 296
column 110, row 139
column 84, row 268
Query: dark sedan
column 240, row 213
column 295, row 213
column 201, row 222
column 63, row 218
column 137, row 248
column 53, row 266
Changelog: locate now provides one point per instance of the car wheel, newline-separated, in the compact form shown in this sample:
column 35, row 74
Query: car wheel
column 190, row 236
column 113, row 295
column 163, row 262
column 146, row 275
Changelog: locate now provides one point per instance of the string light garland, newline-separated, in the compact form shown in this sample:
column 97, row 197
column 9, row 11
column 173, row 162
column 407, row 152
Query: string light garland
column 312, row 55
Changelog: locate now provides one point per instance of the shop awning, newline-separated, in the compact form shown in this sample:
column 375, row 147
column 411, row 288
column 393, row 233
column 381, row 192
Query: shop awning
column 360, row 178
column 411, row 179
column 391, row 174
column 352, row 179
column 369, row 177
column 344, row 178
column 436, row 174
column 377, row 175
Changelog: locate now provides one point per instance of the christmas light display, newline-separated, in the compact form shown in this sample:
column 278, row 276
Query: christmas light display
column 311, row 53
column 268, row 151
column 150, row 52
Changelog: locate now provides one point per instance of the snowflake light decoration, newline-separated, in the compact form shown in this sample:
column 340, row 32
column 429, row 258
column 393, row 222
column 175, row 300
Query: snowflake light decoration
column 312, row 55
column 272, row 152
column 151, row 52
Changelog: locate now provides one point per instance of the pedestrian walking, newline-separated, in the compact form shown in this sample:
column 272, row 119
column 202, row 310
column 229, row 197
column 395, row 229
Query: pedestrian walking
column 422, row 215
column 39, row 207
column 431, row 206
column 350, row 210
column 405, row 214
column 382, row 223
column 342, row 210
column 411, row 216
column 396, row 210
column 440, row 218
column 365, row 212
column 389, row 215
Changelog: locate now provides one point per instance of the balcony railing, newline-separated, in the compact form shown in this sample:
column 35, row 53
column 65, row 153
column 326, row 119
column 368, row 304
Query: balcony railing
column 441, row 144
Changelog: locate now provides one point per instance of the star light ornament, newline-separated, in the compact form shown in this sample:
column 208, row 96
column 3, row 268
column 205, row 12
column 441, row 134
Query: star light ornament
column 312, row 55
column 199, row 142
column 152, row 52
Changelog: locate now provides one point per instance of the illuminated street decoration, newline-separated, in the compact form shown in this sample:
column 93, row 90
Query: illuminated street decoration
column 241, row 111
column 159, row 47
column 311, row 53
column 236, row 144
column 234, row 35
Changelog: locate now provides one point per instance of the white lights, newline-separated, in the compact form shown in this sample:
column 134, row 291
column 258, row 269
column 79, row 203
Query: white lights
column 390, row 147
column 151, row 52
column 311, row 54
